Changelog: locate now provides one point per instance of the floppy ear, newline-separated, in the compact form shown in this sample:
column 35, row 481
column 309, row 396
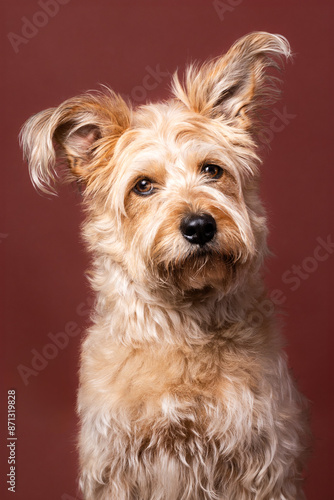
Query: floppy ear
column 83, row 131
column 235, row 85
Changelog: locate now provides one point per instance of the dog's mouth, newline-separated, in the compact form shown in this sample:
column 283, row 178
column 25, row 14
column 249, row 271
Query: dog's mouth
column 206, row 254
column 199, row 267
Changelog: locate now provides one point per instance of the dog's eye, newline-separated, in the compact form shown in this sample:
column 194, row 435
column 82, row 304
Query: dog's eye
column 212, row 171
column 144, row 187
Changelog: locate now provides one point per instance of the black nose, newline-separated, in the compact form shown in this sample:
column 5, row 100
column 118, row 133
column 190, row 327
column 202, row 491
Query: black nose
column 198, row 229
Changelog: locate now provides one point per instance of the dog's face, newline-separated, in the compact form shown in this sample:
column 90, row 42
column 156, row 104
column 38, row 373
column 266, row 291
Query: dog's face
column 171, row 188
column 179, row 191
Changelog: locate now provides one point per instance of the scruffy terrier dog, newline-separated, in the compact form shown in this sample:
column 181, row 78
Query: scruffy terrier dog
column 182, row 396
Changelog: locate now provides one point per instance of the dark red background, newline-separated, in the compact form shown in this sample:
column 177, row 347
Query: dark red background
column 87, row 43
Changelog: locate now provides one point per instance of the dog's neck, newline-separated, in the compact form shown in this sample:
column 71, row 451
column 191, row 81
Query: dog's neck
column 133, row 313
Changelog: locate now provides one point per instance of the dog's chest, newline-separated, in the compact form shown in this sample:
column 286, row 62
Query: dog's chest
column 168, row 383
column 174, row 405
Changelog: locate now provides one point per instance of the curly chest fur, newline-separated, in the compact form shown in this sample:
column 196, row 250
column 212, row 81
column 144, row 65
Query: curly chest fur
column 198, row 418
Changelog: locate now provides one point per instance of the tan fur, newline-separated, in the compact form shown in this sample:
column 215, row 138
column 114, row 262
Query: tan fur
column 181, row 397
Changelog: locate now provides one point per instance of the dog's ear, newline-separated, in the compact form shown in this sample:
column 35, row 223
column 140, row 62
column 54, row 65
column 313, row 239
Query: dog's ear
column 237, row 84
column 82, row 131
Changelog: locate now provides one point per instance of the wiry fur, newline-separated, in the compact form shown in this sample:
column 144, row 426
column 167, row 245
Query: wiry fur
column 181, row 397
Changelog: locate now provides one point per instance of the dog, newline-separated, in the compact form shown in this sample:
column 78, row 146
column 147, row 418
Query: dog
column 182, row 395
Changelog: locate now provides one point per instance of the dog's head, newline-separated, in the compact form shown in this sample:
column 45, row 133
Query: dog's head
column 171, row 188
